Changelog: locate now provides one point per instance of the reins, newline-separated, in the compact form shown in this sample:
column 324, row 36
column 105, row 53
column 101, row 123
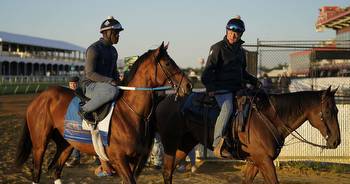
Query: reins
column 127, row 88
column 147, row 118
column 276, row 135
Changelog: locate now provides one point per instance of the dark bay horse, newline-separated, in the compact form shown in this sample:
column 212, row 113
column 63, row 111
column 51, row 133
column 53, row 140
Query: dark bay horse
column 128, row 141
column 260, row 145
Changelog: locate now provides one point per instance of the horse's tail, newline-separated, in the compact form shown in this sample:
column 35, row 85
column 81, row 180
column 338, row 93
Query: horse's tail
column 24, row 146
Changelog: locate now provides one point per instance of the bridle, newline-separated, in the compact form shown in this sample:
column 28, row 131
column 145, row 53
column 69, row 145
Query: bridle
column 169, row 76
column 297, row 135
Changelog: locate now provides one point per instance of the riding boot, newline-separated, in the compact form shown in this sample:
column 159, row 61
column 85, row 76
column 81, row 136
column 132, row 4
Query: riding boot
column 220, row 152
column 86, row 115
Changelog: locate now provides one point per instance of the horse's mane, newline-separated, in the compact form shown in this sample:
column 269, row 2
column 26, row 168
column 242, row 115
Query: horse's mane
column 135, row 66
column 290, row 105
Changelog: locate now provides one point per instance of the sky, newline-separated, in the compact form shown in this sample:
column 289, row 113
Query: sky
column 190, row 27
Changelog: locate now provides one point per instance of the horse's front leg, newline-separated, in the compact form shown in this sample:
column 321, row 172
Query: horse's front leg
column 62, row 154
column 250, row 171
column 122, row 166
column 268, row 170
column 169, row 166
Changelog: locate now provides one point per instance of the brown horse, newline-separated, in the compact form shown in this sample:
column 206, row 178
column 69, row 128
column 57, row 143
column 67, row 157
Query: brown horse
column 128, row 141
column 263, row 136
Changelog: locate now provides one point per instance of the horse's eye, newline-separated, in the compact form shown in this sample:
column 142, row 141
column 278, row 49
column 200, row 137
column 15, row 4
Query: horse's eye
column 327, row 113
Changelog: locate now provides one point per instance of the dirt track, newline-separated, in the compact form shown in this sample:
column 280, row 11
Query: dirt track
column 12, row 111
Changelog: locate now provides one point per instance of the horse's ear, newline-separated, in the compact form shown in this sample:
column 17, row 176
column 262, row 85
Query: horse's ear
column 166, row 46
column 334, row 90
column 159, row 49
column 326, row 92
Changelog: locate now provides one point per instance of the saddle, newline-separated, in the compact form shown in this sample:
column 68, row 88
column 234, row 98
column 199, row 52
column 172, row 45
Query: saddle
column 201, row 108
column 99, row 114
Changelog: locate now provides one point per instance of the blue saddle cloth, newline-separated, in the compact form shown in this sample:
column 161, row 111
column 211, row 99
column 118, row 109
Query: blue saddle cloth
column 73, row 130
column 200, row 108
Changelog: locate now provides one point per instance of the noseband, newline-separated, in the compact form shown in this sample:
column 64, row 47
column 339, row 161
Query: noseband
column 321, row 114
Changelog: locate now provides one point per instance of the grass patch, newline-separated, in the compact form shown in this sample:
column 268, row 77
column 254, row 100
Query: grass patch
column 317, row 166
column 8, row 89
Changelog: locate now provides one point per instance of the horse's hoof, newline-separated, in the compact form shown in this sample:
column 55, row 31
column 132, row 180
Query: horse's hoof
column 58, row 181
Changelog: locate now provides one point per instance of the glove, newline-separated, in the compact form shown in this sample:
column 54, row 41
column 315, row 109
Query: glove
column 114, row 83
column 258, row 84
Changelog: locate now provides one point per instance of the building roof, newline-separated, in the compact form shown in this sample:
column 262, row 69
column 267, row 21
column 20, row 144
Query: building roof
column 36, row 41
column 333, row 17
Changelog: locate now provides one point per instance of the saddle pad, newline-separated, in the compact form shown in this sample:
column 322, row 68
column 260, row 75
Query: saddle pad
column 74, row 128
column 194, row 109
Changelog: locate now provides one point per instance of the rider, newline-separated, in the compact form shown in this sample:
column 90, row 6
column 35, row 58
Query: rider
column 224, row 74
column 101, row 74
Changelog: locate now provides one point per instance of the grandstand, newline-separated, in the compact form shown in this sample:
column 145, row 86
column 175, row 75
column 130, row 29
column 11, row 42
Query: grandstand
column 22, row 55
column 326, row 58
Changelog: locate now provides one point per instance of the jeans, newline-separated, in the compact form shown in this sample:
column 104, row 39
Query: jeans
column 76, row 154
column 192, row 156
column 99, row 93
column 227, row 108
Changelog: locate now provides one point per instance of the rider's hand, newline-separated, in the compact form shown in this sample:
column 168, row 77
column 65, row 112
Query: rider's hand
column 114, row 83
column 258, row 84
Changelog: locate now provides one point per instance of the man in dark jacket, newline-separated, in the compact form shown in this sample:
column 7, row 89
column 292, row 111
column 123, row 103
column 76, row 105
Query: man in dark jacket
column 101, row 74
column 224, row 74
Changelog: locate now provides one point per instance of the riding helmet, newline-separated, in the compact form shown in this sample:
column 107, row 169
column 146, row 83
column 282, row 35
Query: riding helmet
column 111, row 23
column 236, row 24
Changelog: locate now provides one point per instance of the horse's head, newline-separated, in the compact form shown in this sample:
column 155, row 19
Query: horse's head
column 166, row 71
column 325, row 118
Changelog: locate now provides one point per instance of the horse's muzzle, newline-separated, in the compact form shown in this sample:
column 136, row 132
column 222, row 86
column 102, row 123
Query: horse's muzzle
column 333, row 142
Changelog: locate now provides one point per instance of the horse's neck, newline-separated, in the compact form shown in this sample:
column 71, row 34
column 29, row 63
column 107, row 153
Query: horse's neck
column 139, row 101
column 288, row 122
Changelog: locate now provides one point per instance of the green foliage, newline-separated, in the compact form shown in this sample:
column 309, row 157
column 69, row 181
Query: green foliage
column 318, row 166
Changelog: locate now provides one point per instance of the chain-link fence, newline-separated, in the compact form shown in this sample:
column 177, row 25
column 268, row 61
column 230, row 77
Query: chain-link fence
column 311, row 64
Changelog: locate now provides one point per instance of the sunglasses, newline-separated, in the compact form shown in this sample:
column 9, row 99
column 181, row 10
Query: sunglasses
column 235, row 28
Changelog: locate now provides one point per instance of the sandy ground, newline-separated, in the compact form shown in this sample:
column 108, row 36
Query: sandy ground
column 12, row 111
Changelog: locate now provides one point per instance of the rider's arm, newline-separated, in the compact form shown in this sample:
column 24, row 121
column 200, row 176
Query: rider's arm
column 90, row 67
column 115, row 72
column 209, row 73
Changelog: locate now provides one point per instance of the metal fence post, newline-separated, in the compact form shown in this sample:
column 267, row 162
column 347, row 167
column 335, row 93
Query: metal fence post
column 259, row 56
column 16, row 89
column 27, row 88
column 37, row 87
